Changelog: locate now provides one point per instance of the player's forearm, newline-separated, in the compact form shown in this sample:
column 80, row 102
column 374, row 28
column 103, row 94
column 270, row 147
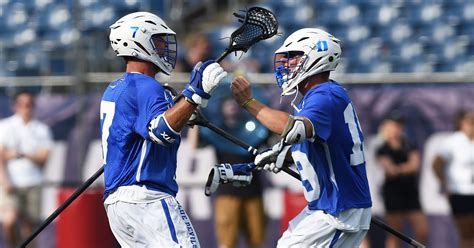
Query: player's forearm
column 275, row 120
column 179, row 114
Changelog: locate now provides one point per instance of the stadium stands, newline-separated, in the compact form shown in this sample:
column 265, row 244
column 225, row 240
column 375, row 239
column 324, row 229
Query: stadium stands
column 386, row 36
column 378, row 36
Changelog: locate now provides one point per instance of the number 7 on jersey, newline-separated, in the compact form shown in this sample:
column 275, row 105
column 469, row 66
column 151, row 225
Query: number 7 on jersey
column 107, row 112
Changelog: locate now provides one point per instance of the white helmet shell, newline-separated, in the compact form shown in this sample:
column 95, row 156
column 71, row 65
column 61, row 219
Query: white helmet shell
column 132, row 34
column 320, row 52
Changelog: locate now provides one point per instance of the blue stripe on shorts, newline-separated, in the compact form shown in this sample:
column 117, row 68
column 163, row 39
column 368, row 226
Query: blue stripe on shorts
column 168, row 219
column 335, row 238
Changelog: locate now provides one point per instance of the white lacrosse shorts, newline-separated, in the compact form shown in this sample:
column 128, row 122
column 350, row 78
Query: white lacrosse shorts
column 318, row 229
column 161, row 223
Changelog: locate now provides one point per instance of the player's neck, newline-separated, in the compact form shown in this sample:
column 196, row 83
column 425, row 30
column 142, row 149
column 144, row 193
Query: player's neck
column 312, row 81
column 141, row 67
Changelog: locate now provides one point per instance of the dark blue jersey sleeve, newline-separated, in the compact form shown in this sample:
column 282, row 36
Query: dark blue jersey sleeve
column 316, row 107
column 152, row 101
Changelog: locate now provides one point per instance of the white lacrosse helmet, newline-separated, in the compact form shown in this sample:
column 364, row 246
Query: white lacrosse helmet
column 145, row 36
column 304, row 53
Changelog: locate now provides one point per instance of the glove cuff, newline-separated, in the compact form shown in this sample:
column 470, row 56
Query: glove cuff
column 212, row 182
column 198, row 96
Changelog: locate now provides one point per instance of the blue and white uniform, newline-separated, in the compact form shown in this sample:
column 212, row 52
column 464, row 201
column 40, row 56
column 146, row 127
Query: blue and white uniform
column 332, row 167
column 138, row 171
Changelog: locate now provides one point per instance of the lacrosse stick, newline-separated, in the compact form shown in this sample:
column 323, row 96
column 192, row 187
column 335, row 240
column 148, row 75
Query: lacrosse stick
column 257, row 24
column 63, row 206
column 200, row 120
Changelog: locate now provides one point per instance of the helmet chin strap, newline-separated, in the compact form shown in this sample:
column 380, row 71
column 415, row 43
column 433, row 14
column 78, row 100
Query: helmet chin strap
column 293, row 92
column 297, row 91
column 294, row 99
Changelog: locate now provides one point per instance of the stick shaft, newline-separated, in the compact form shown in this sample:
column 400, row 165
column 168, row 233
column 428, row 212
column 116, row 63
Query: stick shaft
column 248, row 147
column 398, row 234
column 222, row 56
column 231, row 138
column 63, row 206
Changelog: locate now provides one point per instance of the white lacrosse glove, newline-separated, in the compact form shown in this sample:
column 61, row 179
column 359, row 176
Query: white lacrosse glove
column 273, row 159
column 211, row 77
column 240, row 175
column 204, row 79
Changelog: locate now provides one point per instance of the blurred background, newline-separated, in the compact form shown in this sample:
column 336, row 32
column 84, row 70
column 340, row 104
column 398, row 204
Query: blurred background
column 413, row 58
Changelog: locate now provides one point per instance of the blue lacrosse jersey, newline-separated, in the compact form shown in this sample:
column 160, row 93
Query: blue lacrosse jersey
column 332, row 163
column 130, row 157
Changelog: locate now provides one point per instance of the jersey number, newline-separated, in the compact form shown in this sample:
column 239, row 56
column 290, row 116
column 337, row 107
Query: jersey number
column 357, row 155
column 107, row 111
column 309, row 179
column 135, row 29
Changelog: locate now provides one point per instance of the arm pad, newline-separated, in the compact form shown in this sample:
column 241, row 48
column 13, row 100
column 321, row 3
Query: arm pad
column 160, row 131
column 295, row 130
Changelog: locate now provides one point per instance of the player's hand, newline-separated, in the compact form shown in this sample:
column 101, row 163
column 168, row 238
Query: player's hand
column 265, row 158
column 273, row 159
column 239, row 175
column 211, row 77
column 240, row 87
column 204, row 79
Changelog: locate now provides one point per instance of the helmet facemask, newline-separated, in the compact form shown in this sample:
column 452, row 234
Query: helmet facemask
column 287, row 67
column 165, row 47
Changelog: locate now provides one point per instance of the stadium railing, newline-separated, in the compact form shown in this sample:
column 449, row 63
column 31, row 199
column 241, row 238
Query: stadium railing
column 257, row 78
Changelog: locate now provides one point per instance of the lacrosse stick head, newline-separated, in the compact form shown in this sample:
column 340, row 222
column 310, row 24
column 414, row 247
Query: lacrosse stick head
column 257, row 24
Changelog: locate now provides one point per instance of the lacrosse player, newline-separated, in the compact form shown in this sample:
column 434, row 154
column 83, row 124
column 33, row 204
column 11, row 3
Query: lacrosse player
column 324, row 138
column 141, row 127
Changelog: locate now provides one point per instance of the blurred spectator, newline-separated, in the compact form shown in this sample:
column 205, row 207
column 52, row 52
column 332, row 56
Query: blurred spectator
column 454, row 166
column 198, row 49
column 401, row 163
column 24, row 149
column 238, row 209
column 239, row 64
